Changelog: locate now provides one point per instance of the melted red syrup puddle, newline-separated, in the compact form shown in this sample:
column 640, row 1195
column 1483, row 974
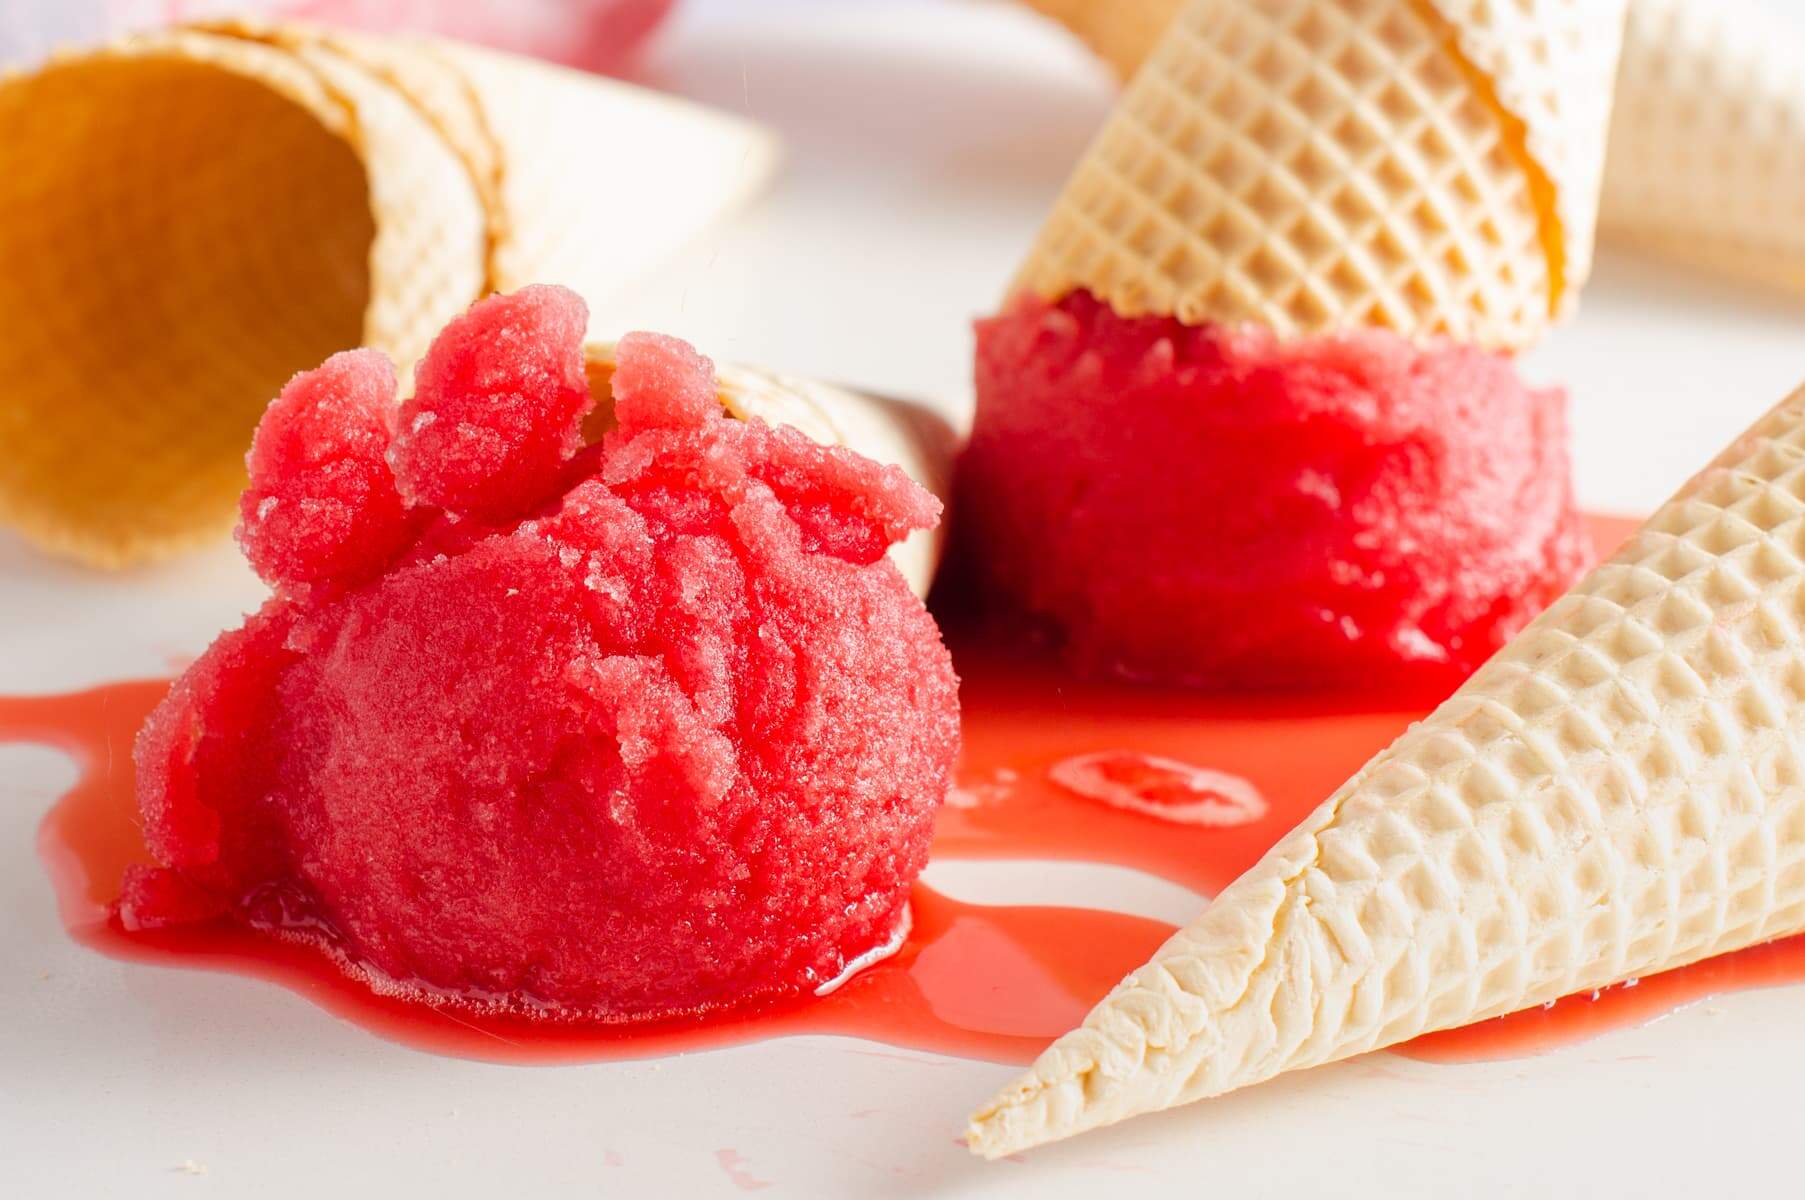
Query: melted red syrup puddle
column 990, row 982
column 981, row 981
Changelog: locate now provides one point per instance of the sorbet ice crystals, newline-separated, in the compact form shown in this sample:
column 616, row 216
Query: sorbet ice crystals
column 1221, row 507
column 647, row 728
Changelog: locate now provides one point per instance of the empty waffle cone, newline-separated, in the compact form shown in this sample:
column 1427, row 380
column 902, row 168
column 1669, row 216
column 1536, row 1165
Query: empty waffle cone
column 883, row 429
column 1707, row 162
column 1620, row 791
column 191, row 216
column 1425, row 166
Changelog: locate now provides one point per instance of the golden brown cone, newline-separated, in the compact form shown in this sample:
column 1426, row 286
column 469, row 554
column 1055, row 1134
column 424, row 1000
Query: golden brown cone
column 192, row 215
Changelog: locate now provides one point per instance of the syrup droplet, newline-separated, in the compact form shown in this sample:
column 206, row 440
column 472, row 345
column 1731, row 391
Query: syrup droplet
column 1160, row 787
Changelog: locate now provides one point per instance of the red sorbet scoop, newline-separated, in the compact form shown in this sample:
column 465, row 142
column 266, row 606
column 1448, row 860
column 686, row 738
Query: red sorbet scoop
column 619, row 733
column 1216, row 507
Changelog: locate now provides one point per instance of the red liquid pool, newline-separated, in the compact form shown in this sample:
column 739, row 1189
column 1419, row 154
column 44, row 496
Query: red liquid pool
column 993, row 982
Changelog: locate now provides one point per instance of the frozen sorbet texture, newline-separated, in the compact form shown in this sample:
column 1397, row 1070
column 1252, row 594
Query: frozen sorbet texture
column 640, row 729
column 1216, row 507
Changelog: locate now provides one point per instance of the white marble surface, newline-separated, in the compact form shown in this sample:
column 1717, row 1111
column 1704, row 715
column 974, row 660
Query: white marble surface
column 924, row 142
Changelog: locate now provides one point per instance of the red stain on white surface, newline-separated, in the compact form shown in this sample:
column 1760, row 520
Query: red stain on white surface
column 732, row 1163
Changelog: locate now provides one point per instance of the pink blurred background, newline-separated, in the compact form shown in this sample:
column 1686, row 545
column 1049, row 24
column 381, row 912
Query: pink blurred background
column 596, row 35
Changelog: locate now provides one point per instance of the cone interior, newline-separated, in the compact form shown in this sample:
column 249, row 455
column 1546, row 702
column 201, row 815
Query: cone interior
column 180, row 238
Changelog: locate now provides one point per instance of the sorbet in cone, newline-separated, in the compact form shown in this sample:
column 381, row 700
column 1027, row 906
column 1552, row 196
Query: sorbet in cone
column 193, row 215
column 1621, row 791
column 1256, row 357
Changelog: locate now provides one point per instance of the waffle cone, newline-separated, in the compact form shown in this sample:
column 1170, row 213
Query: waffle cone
column 1707, row 162
column 191, row 216
column 1425, row 166
column 1619, row 792
column 883, row 429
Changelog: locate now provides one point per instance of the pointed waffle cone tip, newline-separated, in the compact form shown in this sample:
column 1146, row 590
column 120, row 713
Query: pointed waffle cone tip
column 190, row 216
column 1619, row 792
column 1425, row 166
column 1707, row 162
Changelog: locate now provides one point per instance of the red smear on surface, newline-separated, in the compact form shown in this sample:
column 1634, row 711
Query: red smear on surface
column 734, row 1164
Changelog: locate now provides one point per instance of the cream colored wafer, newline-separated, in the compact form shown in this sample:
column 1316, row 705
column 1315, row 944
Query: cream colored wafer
column 1425, row 166
column 544, row 166
column 1620, row 791
column 886, row 430
column 191, row 216
column 1707, row 159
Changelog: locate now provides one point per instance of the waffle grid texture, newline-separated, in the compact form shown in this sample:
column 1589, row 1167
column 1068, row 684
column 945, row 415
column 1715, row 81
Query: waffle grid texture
column 192, row 215
column 112, row 437
column 1620, row 791
column 1425, row 166
column 1707, row 162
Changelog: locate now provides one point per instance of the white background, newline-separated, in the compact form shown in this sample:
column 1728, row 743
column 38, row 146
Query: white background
column 923, row 143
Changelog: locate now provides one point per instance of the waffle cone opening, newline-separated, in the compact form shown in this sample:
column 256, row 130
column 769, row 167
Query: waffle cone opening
column 181, row 236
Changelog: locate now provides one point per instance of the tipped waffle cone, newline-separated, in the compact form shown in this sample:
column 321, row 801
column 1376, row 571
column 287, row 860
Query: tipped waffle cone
column 1620, row 791
column 882, row 429
column 191, row 216
column 1707, row 162
column 1426, row 166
